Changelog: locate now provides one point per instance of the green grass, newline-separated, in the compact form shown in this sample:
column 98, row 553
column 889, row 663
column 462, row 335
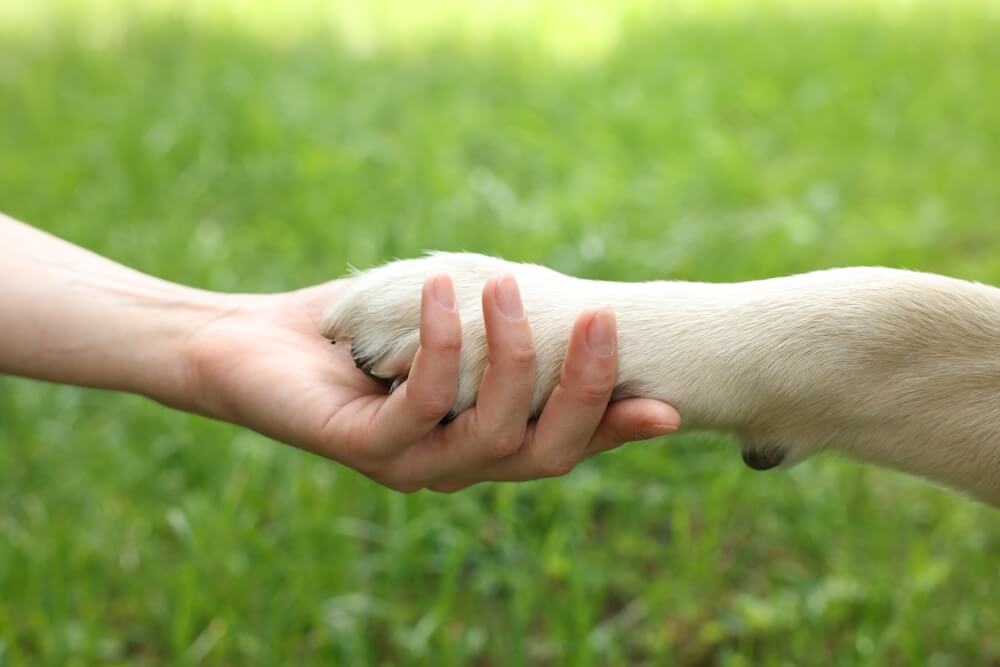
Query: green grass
column 259, row 147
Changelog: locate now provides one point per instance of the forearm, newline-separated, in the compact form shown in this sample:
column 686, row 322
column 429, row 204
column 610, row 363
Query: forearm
column 68, row 315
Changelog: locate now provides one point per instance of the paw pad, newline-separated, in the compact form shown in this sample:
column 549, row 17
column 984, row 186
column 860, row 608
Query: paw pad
column 763, row 456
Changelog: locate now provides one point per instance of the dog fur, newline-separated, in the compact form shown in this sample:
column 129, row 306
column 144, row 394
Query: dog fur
column 892, row 367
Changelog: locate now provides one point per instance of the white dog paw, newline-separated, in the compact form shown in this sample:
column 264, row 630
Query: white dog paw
column 379, row 315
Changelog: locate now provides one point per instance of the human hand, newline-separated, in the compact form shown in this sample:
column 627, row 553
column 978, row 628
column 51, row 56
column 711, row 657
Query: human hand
column 262, row 364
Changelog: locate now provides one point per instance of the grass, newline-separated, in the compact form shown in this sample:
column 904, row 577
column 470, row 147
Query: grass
column 265, row 147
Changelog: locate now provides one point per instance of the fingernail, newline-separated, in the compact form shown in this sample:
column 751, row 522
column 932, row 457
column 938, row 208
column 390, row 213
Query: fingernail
column 601, row 333
column 509, row 298
column 444, row 294
column 647, row 431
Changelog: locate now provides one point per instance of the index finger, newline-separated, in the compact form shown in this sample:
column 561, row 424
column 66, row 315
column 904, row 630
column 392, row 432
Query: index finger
column 423, row 400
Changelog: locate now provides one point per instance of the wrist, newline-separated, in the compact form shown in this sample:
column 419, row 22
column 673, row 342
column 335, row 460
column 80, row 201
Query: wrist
column 148, row 347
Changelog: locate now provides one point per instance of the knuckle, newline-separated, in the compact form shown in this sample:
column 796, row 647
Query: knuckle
column 433, row 406
column 594, row 393
column 449, row 342
column 558, row 467
column 522, row 355
column 505, row 444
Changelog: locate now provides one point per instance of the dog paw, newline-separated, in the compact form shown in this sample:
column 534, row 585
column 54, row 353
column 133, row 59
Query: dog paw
column 379, row 316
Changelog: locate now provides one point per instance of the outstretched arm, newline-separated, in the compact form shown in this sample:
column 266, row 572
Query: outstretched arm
column 68, row 315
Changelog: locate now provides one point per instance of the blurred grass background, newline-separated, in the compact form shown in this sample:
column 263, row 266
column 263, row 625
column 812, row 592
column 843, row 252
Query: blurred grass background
column 266, row 145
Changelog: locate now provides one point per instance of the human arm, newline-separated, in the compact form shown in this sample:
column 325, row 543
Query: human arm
column 68, row 315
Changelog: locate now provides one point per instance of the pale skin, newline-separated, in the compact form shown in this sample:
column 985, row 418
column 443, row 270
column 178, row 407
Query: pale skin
column 70, row 316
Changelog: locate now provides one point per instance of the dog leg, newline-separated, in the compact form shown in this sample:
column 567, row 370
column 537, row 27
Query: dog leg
column 889, row 366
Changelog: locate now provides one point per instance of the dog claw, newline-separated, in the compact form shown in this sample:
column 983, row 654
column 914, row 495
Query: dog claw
column 365, row 366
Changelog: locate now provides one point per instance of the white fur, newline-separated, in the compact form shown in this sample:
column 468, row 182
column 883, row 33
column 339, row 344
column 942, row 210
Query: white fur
column 893, row 367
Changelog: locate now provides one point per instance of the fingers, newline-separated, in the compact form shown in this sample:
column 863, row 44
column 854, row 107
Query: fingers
column 495, row 428
column 625, row 421
column 420, row 403
column 632, row 419
column 577, row 421
column 504, row 402
column 576, row 406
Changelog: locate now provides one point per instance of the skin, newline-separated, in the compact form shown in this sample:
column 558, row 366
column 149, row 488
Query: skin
column 70, row 316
